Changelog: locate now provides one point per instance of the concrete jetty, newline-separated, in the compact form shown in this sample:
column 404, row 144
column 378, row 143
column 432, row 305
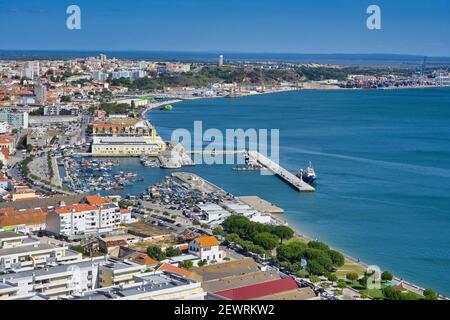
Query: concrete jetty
column 284, row 174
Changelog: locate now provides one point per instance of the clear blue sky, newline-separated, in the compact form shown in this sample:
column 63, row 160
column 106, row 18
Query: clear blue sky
column 283, row 26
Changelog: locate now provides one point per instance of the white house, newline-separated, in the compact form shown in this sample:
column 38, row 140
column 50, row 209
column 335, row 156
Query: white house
column 206, row 248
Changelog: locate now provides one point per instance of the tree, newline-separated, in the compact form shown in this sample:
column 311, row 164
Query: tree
column 156, row 253
column 202, row 263
column 187, row 264
column 314, row 279
column 29, row 147
column 386, row 276
column 302, row 274
column 352, row 276
column 283, row 232
column 266, row 240
column 337, row 258
column 218, row 231
column 341, row 283
column 430, row 294
column 332, row 277
column 172, row 252
column 318, row 245
column 391, row 293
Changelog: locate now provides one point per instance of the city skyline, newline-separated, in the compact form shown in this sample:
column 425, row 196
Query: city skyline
column 417, row 28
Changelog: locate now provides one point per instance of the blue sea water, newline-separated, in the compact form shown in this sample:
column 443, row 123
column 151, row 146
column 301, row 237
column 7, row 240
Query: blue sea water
column 382, row 160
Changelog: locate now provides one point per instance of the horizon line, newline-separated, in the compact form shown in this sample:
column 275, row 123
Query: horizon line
column 228, row 52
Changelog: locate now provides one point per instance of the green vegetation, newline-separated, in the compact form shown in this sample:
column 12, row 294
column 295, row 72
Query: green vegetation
column 252, row 236
column 116, row 108
column 187, row 264
column 37, row 112
column 77, row 248
column 247, row 75
column 430, row 294
column 172, row 252
column 50, row 166
column 202, row 263
column 320, row 258
column 386, row 276
column 156, row 253
column 314, row 279
column 266, row 240
column 125, row 204
column 352, row 276
column 341, row 283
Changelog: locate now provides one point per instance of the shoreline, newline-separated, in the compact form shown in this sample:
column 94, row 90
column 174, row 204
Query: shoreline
column 411, row 286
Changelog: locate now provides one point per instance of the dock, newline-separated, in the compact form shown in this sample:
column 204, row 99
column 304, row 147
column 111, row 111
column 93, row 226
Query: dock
column 284, row 174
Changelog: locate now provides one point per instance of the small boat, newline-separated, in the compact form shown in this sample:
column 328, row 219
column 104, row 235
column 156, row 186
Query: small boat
column 168, row 107
column 308, row 175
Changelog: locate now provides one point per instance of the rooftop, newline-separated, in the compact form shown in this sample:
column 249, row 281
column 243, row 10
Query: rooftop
column 207, row 241
column 226, row 269
column 259, row 290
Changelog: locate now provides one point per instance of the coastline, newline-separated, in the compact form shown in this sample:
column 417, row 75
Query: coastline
column 396, row 280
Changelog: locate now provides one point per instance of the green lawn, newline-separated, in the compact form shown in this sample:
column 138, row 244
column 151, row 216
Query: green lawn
column 350, row 267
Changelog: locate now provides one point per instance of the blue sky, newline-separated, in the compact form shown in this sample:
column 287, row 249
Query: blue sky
column 281, row 26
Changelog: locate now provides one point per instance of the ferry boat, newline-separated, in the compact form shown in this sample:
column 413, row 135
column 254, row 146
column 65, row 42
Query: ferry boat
column 308, row 175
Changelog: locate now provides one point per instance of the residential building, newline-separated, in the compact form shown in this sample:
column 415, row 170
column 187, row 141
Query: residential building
column 31, row 70
column 53, row 281
column 207, row 248
column 19, row 252
column 23, row 220
column 84, row 218
column 160, row 285
column 15, row 119
column 40, row 91
column 117, row 272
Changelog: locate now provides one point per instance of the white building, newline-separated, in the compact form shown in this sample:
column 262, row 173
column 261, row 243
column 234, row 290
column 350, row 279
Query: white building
column 5, row 128
column 40, row 91
column 159, row 285
column 31, row 70
column 14, row 119
column 213, row 213
column 98, row 215
column 20, row 252
column 206, row 248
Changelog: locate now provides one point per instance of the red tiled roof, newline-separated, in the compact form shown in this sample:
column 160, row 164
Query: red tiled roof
column 96, row 200
column 259, row 290
column 79, row 207
column 11, row 217
column 171, row 268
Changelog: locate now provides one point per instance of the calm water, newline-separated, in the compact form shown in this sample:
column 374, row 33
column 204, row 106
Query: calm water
column 383, row 164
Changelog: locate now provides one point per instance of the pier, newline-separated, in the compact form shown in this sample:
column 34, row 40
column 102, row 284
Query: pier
column 284, row 174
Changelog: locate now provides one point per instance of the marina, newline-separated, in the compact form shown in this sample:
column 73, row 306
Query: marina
column 88, row 175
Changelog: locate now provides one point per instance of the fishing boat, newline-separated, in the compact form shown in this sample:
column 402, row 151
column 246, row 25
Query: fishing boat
column 308, row 175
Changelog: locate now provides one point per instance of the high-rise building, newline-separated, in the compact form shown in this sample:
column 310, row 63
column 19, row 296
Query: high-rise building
column 31, row 70
column 103, row 57
column 40, row 91
column 220, row 60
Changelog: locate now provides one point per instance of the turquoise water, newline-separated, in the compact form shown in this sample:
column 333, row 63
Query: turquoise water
column 383, row 165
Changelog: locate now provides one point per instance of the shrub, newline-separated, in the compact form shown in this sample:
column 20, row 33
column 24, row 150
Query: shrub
column 352, row 276
column 386, row 276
